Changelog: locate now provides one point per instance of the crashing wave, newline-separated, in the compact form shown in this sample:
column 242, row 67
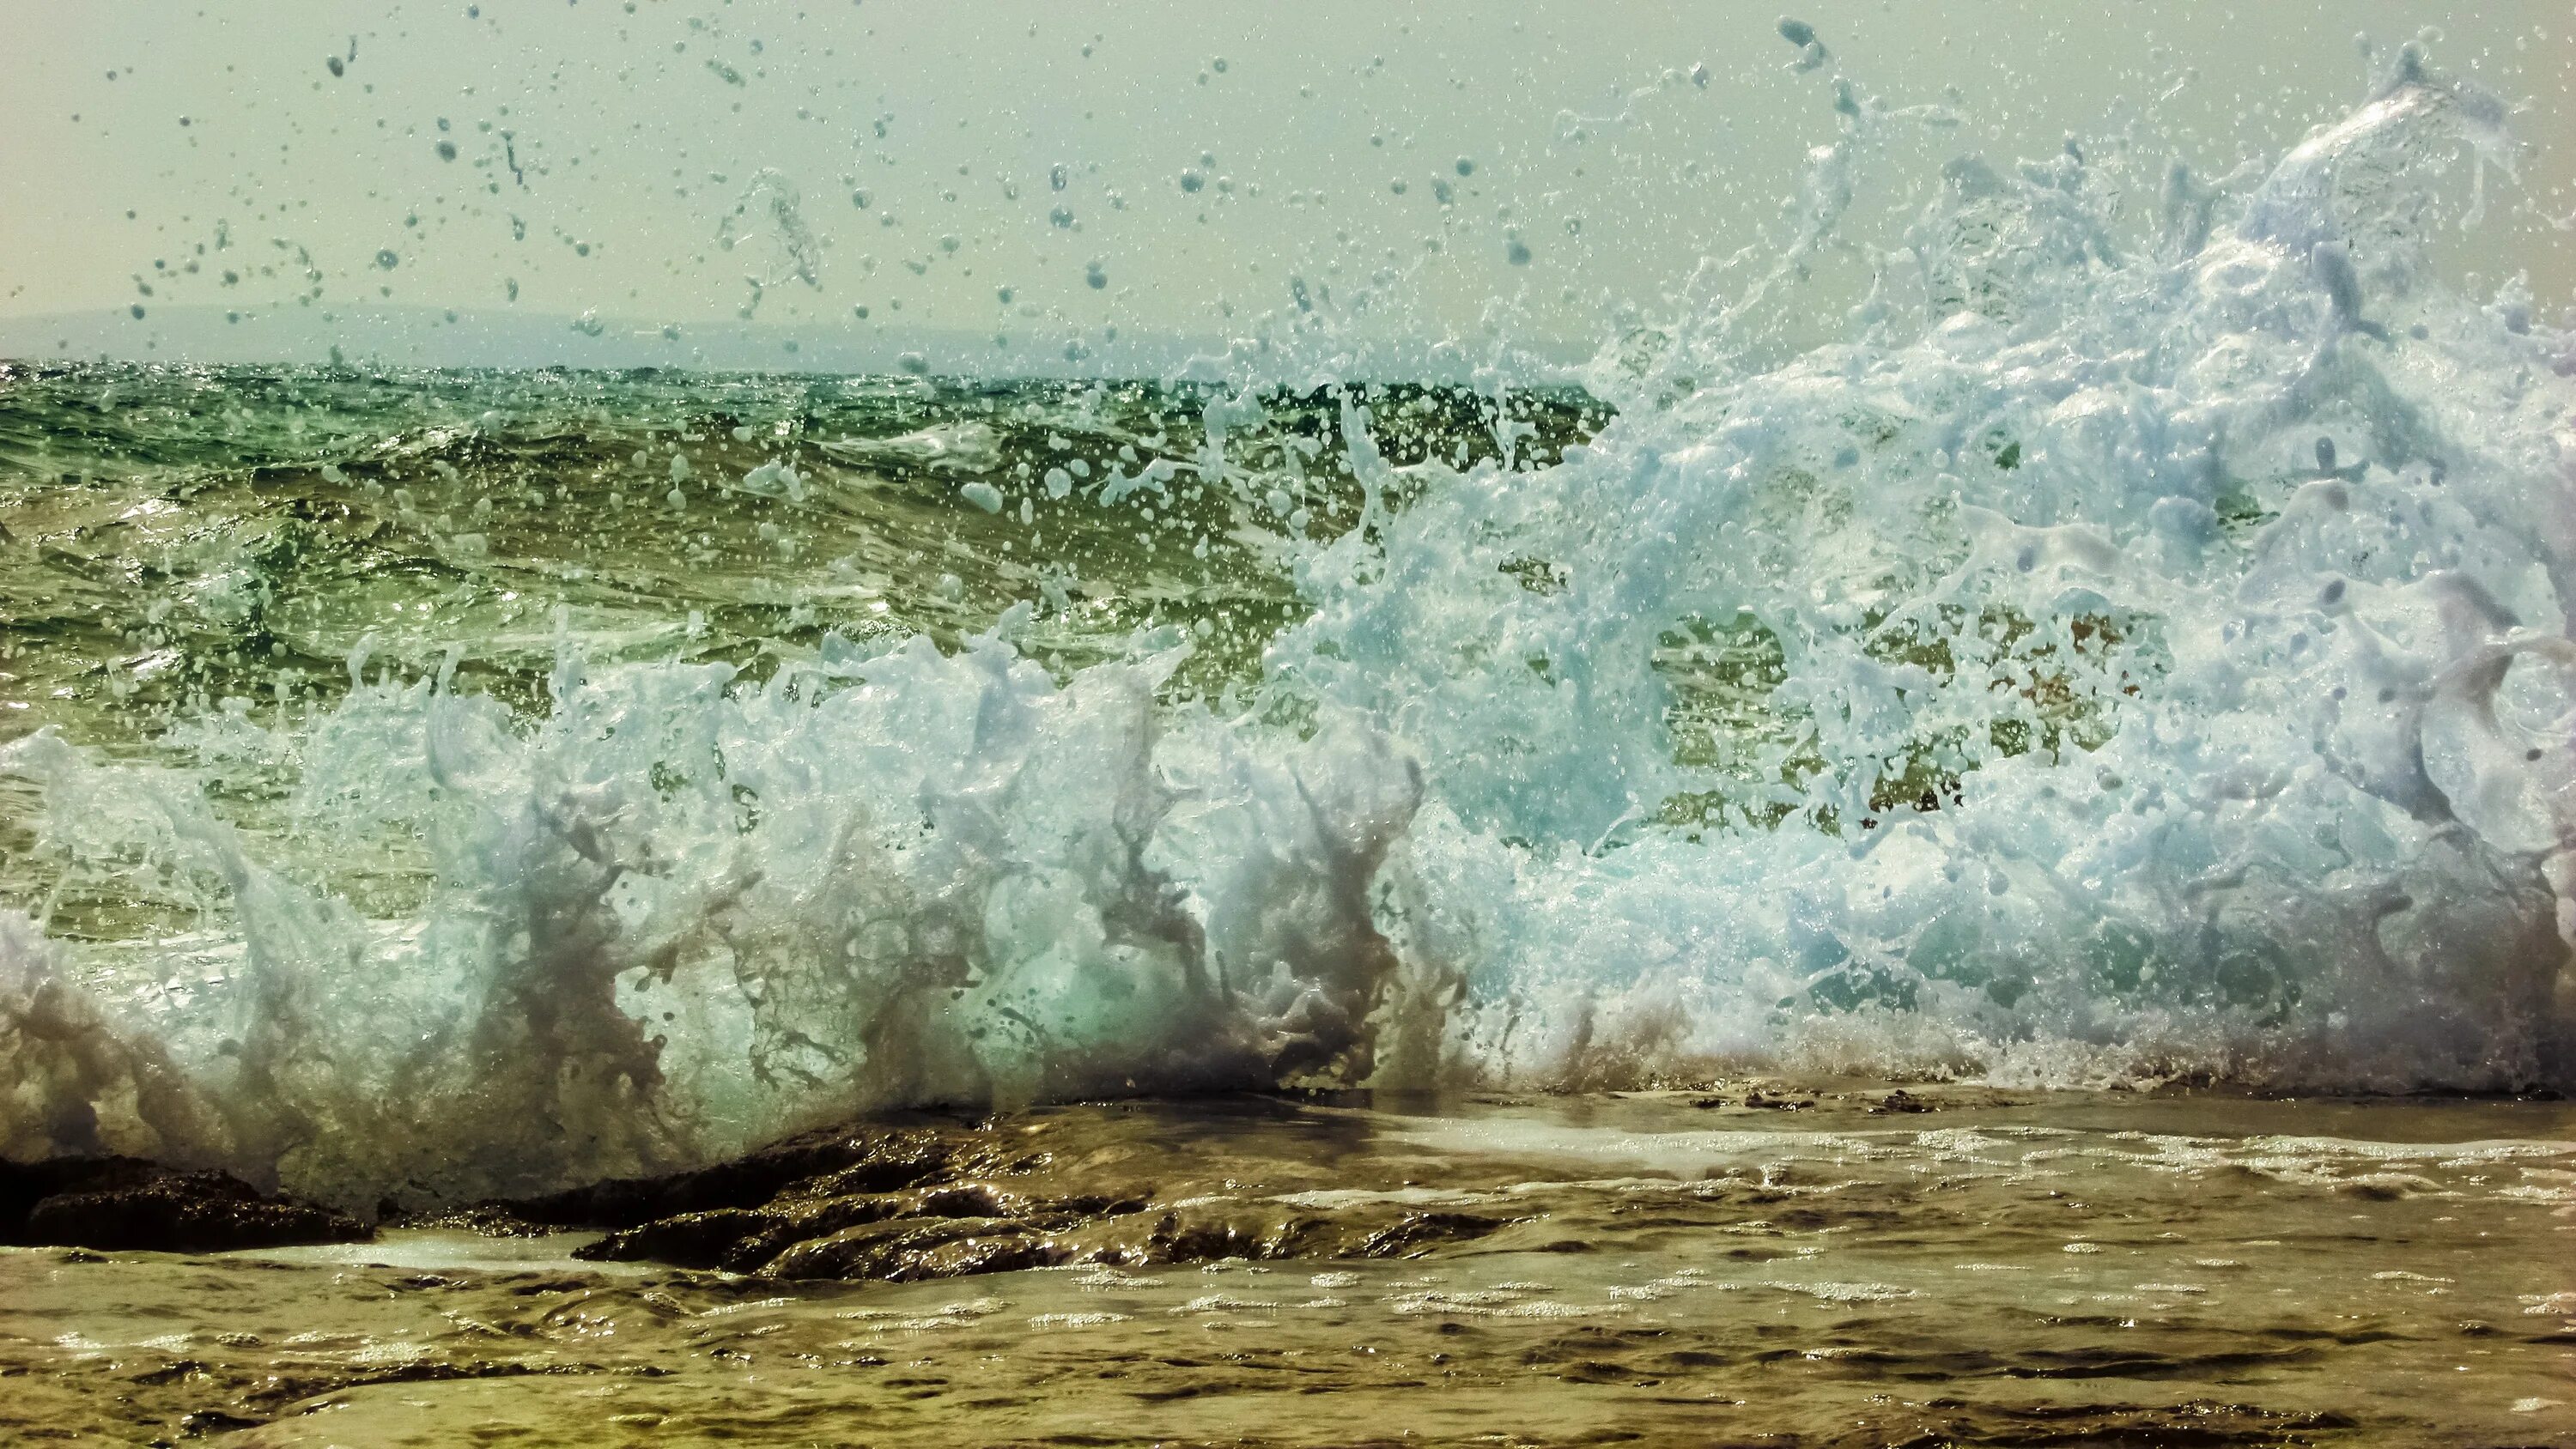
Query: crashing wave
column 2128, row 658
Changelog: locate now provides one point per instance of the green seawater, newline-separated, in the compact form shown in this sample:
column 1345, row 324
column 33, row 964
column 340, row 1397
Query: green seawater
column 184, row 546
column 182, row 536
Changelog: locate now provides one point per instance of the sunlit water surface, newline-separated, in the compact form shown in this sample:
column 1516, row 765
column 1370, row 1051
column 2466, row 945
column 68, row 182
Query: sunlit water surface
column 1676, row 1268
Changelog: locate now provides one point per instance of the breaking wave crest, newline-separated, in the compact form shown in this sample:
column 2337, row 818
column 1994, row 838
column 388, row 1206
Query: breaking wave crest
column 2140, row 652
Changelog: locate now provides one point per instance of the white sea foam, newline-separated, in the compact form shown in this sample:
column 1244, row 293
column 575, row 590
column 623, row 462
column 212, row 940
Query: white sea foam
column 2157, row 671
column 2130, row 655
column 683, row 914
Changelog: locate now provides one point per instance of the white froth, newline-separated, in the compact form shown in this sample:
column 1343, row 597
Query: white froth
column 2131, row 655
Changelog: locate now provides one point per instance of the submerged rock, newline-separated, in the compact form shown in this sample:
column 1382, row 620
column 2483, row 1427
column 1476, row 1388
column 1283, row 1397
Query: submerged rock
column 841, row 1161
column 926, row 1200
column 124, row 1204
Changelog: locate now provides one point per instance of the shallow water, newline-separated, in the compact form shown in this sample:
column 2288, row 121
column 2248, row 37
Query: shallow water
column 1973, row 1267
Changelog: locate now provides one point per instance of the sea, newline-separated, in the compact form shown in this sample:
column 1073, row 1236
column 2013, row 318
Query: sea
column 2116, row 697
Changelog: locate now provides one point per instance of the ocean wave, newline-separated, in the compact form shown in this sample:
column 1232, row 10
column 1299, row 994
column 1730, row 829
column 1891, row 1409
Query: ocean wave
column 2132, row 656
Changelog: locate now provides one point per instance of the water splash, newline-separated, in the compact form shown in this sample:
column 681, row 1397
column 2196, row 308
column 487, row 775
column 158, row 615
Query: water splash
column 2127, row 657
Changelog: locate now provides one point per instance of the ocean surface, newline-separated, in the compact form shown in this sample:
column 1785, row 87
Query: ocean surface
column 1761, row 1265
column 1967, row 835
column 2138, row 654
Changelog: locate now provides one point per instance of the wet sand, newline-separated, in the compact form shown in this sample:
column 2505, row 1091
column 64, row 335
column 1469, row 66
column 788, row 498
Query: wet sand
column 1750, row 1265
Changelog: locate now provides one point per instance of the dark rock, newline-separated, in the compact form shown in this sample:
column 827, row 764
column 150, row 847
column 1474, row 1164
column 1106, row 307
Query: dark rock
column 902, row 1203
column 884, row 1161
column 1175, row 1241
column 124, row 1204
column 910, row 1251
column 25, row 1184
column 1007, row 1252
column 1419, row 1230
column 491, row 1220
column 1094, row 1184
column 688, row 1240
column 750, row 1240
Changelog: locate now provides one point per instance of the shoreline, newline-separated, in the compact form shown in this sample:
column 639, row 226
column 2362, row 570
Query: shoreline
column 1983, row 1267
column 117, row 1203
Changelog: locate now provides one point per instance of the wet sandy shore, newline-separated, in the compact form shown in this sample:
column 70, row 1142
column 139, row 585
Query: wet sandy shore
column 1837, row 1265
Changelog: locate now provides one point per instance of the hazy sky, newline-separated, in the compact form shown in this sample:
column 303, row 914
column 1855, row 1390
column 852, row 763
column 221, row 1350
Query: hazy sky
column 1066, row 165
